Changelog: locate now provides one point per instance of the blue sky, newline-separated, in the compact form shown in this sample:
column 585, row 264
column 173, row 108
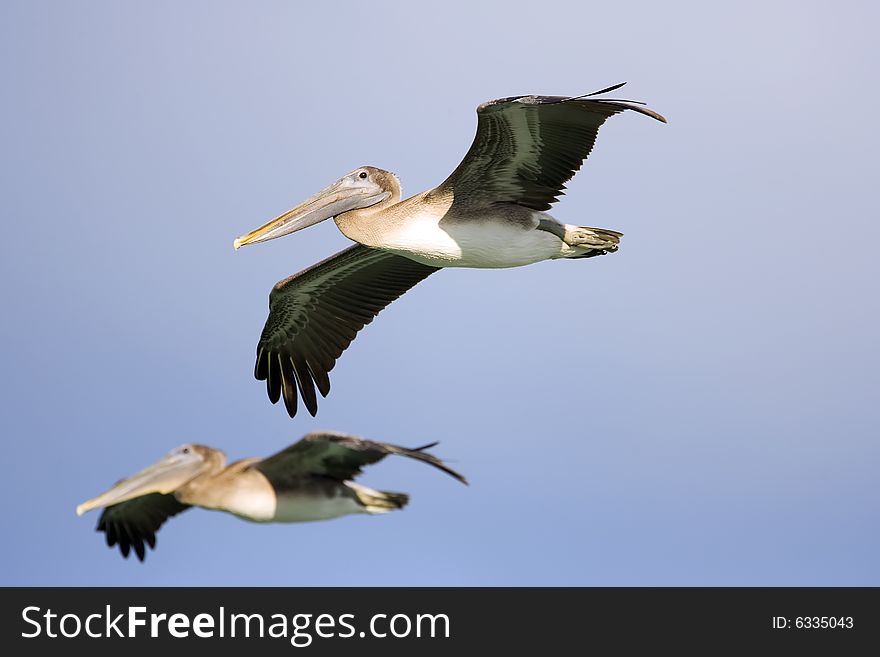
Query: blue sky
column 699, row 408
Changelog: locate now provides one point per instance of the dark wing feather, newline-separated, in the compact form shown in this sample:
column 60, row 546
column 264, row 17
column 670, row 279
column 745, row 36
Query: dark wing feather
column 315, row 314
column 527, row 147
column 338, row 456
column 133, row 523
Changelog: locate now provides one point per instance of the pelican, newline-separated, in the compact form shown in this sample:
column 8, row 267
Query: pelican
column 490, row 212
column 310, row 480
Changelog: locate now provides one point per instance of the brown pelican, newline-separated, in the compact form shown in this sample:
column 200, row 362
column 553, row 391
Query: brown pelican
column 488, row 213
column 310, row 480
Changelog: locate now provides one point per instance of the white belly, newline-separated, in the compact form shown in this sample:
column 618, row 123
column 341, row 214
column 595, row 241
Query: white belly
column 477, row 243
column 305, row 508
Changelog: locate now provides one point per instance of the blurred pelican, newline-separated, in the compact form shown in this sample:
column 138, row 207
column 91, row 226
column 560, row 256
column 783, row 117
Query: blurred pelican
column 490, row 212
column 310, row 480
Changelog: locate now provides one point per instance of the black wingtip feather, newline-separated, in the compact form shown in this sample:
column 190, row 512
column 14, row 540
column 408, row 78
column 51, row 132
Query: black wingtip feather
column 304, row 382
column 613, row 87
column 424, row 447
column 288, row 386
column 260, row 365
column 273, row 380
column 290, row 403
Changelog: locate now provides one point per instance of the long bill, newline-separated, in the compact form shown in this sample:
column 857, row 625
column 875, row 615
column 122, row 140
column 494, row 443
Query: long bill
column 339, row 197
column 165, row 476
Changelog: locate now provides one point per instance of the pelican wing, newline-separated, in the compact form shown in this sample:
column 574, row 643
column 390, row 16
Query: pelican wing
column 133, row 523
column 338, row 456
column 315, row 314
column 528, row 147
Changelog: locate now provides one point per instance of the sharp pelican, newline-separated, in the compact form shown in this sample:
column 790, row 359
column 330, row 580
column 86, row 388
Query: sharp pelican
column 310, row 480
column 490, row 212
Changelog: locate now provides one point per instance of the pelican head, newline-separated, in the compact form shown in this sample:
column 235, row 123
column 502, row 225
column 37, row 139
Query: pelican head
column 180, row 466
column 362, row 188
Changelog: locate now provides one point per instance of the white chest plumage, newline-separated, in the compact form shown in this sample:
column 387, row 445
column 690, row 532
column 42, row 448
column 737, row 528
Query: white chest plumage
column 251, row 497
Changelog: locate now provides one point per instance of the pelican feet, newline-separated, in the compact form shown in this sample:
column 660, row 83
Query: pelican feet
column 592, row 238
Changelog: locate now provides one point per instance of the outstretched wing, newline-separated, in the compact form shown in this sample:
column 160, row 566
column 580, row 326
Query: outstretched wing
column 338, row 456
column 133, row 523
column 315, row 314
column 528, row 147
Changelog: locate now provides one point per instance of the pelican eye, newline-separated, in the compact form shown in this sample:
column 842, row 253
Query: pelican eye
column 185, row 450
column 362, row 175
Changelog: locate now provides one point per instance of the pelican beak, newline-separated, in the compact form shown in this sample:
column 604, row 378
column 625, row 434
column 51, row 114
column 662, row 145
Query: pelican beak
column 164, row 476
column 348, row 193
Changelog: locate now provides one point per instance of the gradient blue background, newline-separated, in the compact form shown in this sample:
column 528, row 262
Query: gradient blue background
column 700, row 408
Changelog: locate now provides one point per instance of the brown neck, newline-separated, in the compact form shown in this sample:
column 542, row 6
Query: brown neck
column 365, row 225
column 215, row 463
